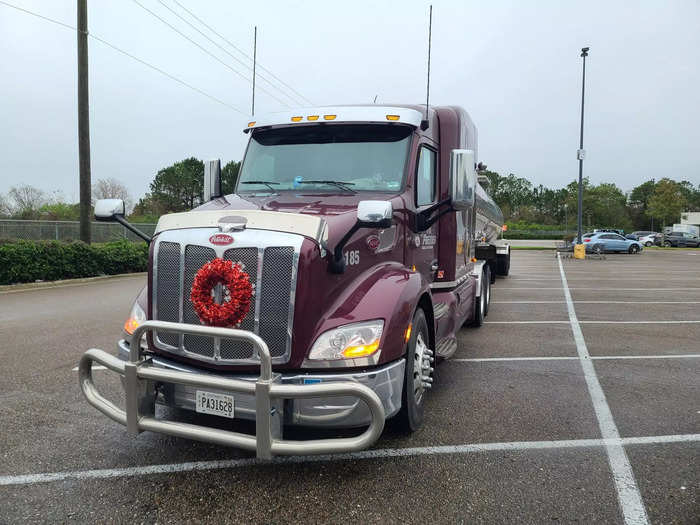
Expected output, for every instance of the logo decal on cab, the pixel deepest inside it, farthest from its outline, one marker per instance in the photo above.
(221, 239)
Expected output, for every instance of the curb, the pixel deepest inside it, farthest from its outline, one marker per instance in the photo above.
(66, 282)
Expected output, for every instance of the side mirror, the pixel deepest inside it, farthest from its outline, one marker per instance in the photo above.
(212, 180)
(114, 210)
(108, 209)
(374, 214)
(462, 179)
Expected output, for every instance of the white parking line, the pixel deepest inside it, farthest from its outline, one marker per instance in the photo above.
(31, 479)
(593, 322)
(596, 302)
(628, 494)
(568, 358)
(589, 288)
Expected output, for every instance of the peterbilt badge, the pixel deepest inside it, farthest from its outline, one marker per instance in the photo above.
(221, 239)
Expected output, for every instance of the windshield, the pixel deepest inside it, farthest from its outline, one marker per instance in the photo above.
(334, 158)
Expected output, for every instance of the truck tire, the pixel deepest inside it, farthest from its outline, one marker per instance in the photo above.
(410, 417)
(481, 303)
(503, 264)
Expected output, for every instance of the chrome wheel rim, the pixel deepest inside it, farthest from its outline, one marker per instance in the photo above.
(421, 369)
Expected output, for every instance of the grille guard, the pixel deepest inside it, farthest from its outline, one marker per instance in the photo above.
(140, 377)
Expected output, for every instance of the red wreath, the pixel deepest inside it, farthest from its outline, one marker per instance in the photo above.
(237, 293)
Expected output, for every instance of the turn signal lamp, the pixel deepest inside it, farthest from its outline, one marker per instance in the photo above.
(136, 318)
(131, 324)
(473, 259)
(407, 336)
(361, 350)
(312, 117)
(392, 117)
(297, 119)
(328, 117)
(251, 124)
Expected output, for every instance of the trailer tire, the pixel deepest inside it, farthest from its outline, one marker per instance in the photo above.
(410, 417)
(503, 264)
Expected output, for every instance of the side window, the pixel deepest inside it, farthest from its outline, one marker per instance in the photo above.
(425, 177)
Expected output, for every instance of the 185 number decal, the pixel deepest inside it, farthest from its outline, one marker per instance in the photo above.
(352, 257)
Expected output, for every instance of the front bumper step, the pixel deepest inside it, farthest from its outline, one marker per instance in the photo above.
(140, 376)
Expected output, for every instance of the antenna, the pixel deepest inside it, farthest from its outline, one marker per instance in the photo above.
(375, 99)
(255, 50)
(425, 122)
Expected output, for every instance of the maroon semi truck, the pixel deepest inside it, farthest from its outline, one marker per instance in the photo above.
(366, 242)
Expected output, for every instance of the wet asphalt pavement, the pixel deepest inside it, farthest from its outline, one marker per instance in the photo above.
(506, 440)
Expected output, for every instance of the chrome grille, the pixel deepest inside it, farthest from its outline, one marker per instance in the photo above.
(248, 257)
(274, 299)
(271, 265)
(195, 258)
(168, 288)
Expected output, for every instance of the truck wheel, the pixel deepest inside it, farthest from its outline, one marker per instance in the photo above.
(503, 264)
(481, 303)
(418, 355)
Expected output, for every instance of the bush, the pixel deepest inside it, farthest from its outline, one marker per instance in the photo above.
(29, 261)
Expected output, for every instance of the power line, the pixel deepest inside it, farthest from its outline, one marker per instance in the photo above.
(241, 52)
(126, 53)
(222, 48)
(183, 35)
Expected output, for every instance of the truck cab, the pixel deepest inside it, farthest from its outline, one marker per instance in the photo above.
(368, 243)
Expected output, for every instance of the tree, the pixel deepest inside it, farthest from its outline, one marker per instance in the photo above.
(229, 176)
(26, 201)
(179, 187)
(111, 189)
(667, 202)
(691, 195)
(60, 211)
(5, 206)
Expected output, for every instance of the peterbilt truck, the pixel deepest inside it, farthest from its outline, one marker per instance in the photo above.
(365, 242)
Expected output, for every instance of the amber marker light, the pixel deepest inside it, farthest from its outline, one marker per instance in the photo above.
(361, 350)
(131, 324)
(407, 336)
(312, 117)
(328, 117)
(251, 124)
(297, 119)
(473, 259)
(392, 117)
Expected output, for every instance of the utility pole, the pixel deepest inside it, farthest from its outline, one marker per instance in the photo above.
(83, 123)
(581, 153)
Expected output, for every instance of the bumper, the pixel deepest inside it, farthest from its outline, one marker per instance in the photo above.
(329, 412)
(268, 393)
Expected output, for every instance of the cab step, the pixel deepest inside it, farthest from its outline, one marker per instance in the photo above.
(446, 348)
(440, 310)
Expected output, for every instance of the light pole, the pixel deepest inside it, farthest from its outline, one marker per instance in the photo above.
(566, 219)
(580, 154)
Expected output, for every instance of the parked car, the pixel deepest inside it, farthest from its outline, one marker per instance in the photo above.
(650, 239)
(609, 230)
(610, 242)
(681, 239)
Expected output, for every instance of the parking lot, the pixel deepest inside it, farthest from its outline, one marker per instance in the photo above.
(577, 401)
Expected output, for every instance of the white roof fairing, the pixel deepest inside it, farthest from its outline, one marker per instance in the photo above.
(342, 114)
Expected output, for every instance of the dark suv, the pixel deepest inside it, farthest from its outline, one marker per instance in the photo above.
(681, 239)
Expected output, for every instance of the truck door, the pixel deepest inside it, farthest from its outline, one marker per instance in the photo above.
(423, 247)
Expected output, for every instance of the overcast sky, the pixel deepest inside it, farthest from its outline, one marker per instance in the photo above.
(514, 66)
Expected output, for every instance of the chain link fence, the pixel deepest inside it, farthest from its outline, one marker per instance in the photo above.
(68, 230)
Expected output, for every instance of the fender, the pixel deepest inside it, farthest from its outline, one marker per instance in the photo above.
(388, 291)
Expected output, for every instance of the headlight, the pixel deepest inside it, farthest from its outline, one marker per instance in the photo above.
(348, 342)
(136, 317)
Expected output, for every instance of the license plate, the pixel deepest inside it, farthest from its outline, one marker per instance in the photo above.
(216, 404)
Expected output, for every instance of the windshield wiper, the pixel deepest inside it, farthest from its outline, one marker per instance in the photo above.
(338, 183)
(263, 182)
